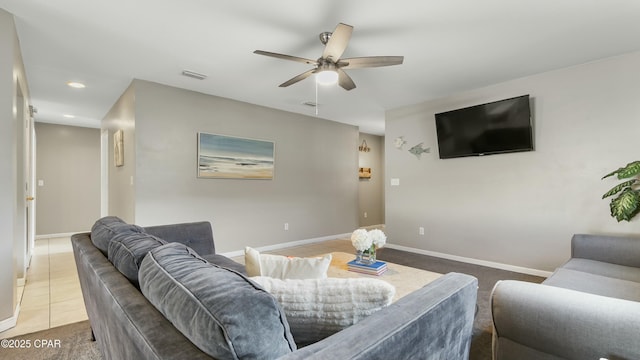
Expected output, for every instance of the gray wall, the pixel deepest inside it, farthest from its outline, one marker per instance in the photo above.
(519, 209)
(68, 164)
(12, 199)
(315, 189)
(121, 179)
(371, 191)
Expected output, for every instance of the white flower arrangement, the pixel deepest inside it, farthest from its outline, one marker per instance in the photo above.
(362, 239)
(378, 238)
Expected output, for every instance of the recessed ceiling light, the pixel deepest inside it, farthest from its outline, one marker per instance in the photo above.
(76, 85)
(69, 116)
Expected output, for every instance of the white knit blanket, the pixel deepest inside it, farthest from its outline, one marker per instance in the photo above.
(317, 308)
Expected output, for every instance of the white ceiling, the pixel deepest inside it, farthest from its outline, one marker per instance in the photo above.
(449, 46)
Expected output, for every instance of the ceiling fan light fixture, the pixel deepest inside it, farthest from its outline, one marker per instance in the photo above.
(327, 77)
(329, 68)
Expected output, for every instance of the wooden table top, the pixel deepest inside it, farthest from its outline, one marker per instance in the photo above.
(404, 278)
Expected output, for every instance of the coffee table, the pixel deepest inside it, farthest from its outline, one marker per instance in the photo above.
(404, 278)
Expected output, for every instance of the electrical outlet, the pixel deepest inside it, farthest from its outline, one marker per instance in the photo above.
(286, 226)
(420, 230)
(365, 214)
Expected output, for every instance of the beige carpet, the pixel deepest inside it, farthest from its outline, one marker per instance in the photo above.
(68, 342)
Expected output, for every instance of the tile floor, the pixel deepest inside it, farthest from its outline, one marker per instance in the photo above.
(52, 295)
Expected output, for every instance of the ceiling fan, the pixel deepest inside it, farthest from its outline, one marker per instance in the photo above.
(330, 67)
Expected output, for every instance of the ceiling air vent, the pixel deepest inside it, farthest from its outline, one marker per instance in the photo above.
(193, 74)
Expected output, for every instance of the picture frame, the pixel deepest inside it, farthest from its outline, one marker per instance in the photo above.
(118, 148)
(364, 173)
(230, 157)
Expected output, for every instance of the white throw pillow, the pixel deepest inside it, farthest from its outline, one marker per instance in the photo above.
(318, 308)
(282, 267)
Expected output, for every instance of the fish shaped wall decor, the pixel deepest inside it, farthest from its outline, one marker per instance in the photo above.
(419, 150)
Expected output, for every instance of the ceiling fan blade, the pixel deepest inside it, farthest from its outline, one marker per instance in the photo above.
(300, 77)
(345, 80)
(370, 61)
(337, 42)
(286, 57)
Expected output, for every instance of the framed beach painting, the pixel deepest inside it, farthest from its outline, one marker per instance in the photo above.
(228, 157)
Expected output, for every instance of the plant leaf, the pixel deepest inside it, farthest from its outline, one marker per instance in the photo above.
(626, 205)
(614, 190)
(631, 169)
(611, 173)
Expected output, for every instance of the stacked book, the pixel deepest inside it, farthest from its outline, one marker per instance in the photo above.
(377, 268)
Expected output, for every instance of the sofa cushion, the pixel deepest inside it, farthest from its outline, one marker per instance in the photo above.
(604, 269)
(594, 284)
(219, 310)
(196, 235)
(318, 308)
(614, 249)
(126, 251)
(106, 228)
(283, 267)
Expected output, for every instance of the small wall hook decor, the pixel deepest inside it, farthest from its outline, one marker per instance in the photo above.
(364, 147)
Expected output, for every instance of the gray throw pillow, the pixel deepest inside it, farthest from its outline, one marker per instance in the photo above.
(219, 310)
(126, 251)
(106, 228)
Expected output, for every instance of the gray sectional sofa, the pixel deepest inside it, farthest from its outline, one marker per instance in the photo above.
(589, 308)
(186, 302)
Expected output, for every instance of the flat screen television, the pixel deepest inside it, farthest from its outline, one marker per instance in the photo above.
(494, 128)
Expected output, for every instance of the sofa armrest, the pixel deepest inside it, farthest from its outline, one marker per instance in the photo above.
(557, 323)
(196, 235)
(434, 322)
(619, 250)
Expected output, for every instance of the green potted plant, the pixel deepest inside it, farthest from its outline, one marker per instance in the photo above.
(626, 204)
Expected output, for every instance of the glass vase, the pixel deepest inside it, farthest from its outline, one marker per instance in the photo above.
(372, 254)
(369, 256)
(366, 257)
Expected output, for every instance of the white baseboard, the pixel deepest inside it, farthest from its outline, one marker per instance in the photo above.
(491, 264)
(288, 244)
(10, 322)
